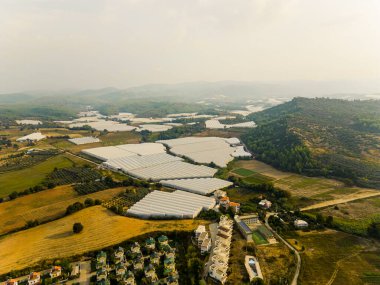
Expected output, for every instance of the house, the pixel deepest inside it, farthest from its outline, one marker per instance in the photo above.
(55, 272)
(265, 204)
(129, 278)
(138, 264)
(169, 266)
(300, 224)
(34, 278)
(172, 280)
(12, 282)
(101, 274)
(206, 246)
(155, 258)
(199, 230)
(103, 282)
(202, 237)
(170, 253)
(119, 255)
(150, 243)
(101, 260)
(219, 194)
(150, 273)
(218, 273)
(234, 206)
(163, 240)
(135, 248)
(224, 201)
(120, 270)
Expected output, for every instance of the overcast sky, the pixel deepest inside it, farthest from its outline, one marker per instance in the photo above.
(58, 44)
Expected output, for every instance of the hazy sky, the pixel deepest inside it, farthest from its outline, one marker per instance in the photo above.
(57, 44)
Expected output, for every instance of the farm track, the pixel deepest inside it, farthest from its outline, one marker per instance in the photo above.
(348, 198)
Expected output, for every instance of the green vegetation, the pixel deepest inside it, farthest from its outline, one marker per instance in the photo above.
(243, 172)
(320, 137)
(20, 180)
(23, 160)
(77, 228)
(72, 175)
(258, 238)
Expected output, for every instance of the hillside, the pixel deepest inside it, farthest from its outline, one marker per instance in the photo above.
(328, 137)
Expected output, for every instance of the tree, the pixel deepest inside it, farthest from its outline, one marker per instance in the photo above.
(374, 230)
(77, 228)
(319, 219)
(329, 221)
(257, 281)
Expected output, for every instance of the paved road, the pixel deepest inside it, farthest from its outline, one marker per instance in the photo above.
(298, 266)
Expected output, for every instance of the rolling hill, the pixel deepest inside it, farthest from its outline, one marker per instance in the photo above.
(321, 137)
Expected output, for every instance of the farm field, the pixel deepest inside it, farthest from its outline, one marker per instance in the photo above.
(338, 257)
(276, 262)
(20, 180)
(44, 206)
(313, 189)
(354, 216)
(243, 172)
(55, 239)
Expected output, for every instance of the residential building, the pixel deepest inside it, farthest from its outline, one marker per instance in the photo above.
(199, 230)
(163, 240)
(220, 254)
(135, 248)
(155, 258)
(129, 278)
(101, 260)
(150, 243)
(55, 272)
(300, 224)
(101, 274)
(12, 282)
(224, 201)
(120, 270)
(201, 238)
(206, 246)
(138, 264)
(265, 204)
(150, 273)
(235, 207)
(34, 278)
(172, 280)
(119, 255)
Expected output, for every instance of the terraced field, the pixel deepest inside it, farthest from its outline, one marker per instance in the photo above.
(314, 189)
(44, 206)
(102, 228)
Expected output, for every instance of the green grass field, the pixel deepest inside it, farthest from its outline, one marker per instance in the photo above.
(243, 172)
(20, 180)
(258, 238)
(257, 178)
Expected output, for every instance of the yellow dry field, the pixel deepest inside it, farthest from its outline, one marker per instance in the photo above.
(44, 206)
(102, 228)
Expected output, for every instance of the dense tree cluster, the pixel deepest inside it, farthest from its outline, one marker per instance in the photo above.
(320, 137)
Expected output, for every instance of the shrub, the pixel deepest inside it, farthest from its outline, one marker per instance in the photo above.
(77, 228)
